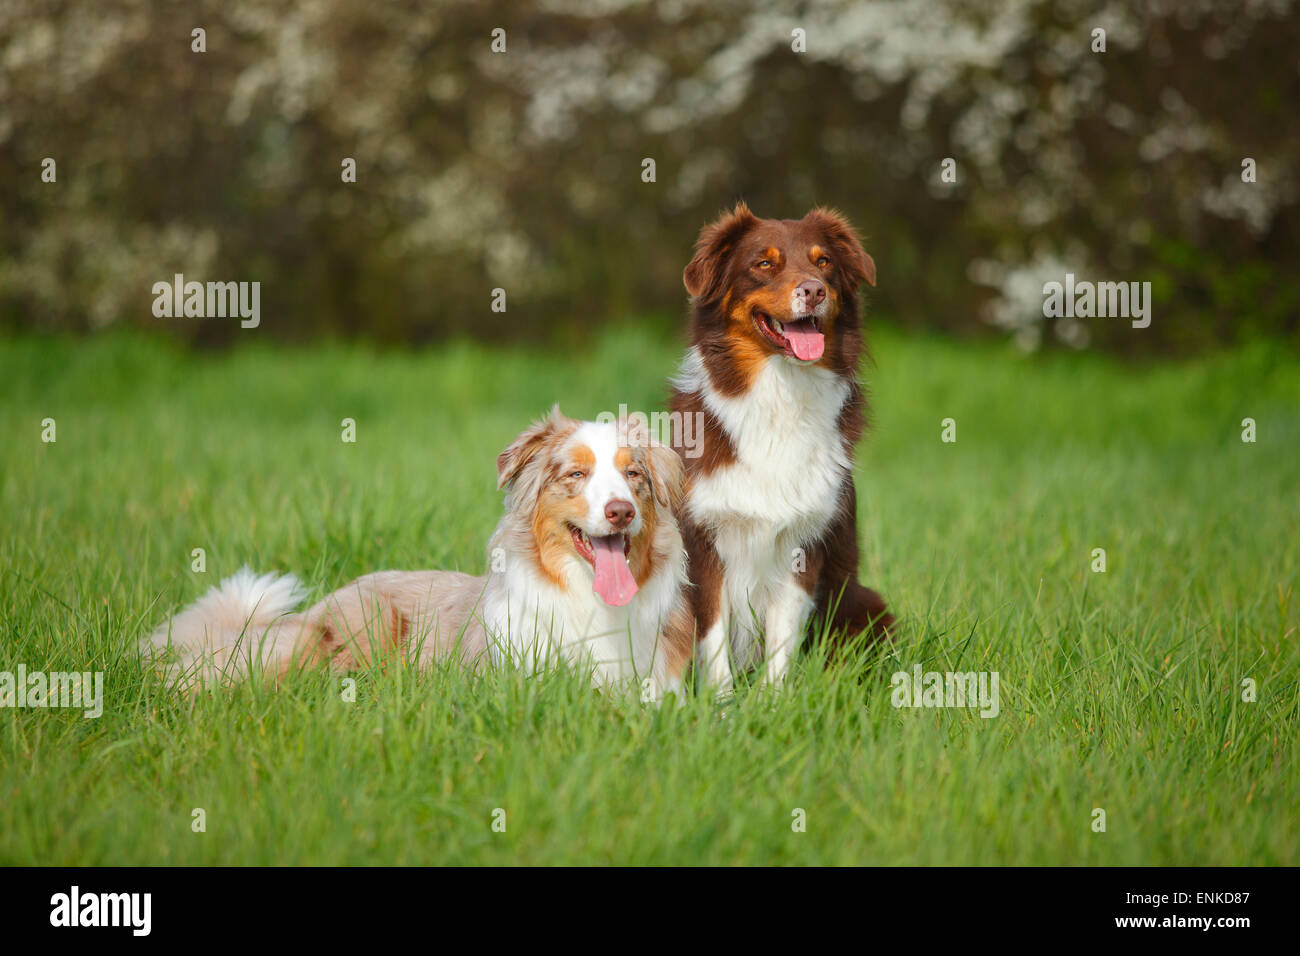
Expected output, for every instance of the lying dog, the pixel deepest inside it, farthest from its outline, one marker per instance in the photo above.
(587, 568)
(771, 373)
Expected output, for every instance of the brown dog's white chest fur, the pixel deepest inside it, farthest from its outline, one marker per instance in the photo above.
(771, 382)
(765, 508)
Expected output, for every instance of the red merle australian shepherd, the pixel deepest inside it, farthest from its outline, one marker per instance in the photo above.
(771, 376)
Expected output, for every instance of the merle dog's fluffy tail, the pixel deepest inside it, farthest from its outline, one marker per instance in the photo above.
(242, 624)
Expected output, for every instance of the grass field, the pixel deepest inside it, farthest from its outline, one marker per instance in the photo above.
(1120, 690)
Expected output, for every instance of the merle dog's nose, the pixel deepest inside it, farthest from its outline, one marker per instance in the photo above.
(620, 513)
(811, 291)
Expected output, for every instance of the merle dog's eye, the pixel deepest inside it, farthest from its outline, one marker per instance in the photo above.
(633, 473)
(577, 474)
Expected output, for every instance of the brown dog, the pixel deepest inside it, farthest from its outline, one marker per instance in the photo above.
(771, 379)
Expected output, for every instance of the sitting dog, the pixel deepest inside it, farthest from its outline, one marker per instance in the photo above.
(587, 568)
(771, 376)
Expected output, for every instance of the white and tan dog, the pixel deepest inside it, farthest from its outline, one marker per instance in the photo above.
(587, 569)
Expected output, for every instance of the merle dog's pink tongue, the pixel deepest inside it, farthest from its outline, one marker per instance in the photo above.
(805, 341)
(614, 582)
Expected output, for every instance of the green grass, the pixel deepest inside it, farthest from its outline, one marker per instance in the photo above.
(1119, 690)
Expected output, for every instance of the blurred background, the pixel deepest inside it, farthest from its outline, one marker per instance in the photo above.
(523, 169)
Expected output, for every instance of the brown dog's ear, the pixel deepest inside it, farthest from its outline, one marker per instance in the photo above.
(525, 448)
(667, 476)
(846, 247)
(704, 272)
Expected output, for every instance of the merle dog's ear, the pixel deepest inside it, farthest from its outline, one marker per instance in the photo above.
(524, 449)
(846, 248)
(667, 476)
(703, 274)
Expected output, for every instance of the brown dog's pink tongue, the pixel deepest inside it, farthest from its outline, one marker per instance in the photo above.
(805, 341)
(614, 582)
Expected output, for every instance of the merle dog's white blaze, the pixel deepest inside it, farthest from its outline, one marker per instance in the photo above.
(607, 482)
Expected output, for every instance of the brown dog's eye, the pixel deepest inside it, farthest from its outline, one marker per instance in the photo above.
(823, 262)
(764, 263)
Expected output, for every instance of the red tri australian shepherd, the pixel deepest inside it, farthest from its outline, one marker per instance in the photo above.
(771, 377)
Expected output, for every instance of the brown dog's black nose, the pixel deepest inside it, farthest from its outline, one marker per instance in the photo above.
(620, 513)
(811, 291)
